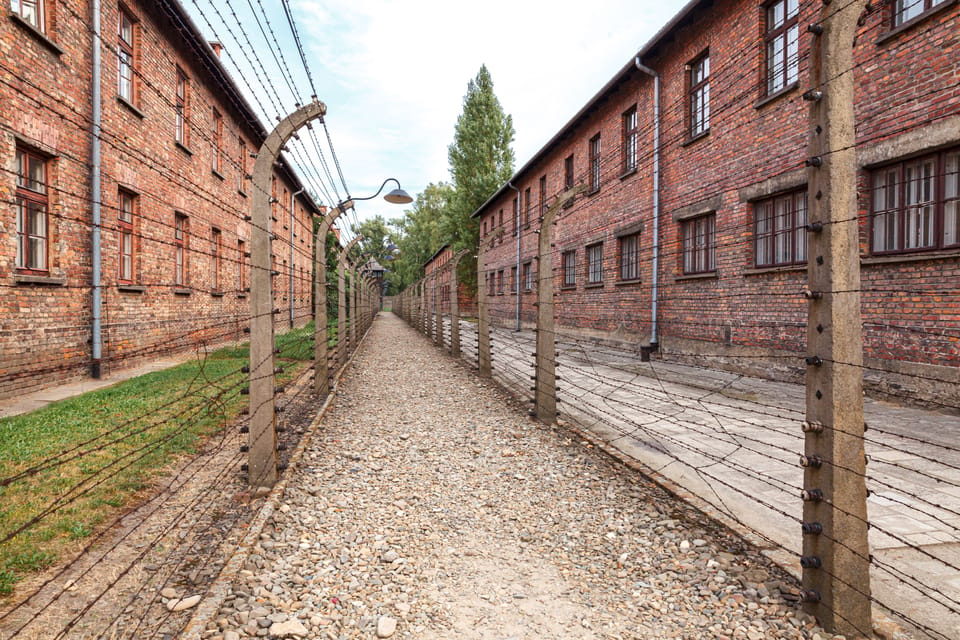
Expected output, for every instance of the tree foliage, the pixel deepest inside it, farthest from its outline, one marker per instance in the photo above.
(420, 233)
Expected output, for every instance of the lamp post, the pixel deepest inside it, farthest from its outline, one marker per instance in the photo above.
(320, 347)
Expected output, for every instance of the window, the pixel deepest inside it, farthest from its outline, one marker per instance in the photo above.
(32, 12)
(180, 244)
(568, 178)
(543, 196)
(500, 282)
(595, 163)
(513, 279)
(905, 10)
(500, 227)
(31, 204)
(528, 276)
(180, 108)
(215, 251)
(915, 204)
(783, 56)
(630, 140)
(699, 244)
(241, 266)
(526, 207)
(216, 142)
(700, 95)
(595, 263)
(126, 210)
(126, 62)
(484, 235)
(630, 257)
(516, 216)
(569, 260)
(780, 230)
(242, 164)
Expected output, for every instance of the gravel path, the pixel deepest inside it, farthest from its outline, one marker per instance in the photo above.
(428, 505)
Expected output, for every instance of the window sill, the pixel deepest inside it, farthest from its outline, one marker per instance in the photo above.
(784, 268)
(711, 275)
(182, 291)
(762, 102)
(217, 174)
(28, 278)
(943, 254)
(241, 296)
(36, 33)
(622, 283)
(700, 136)
(568, 287)
(909, 24)
(593, 285)
(217, 294)
(129, 105)
(183, 147)
(592, 192)
(629, 172)
(131, 288)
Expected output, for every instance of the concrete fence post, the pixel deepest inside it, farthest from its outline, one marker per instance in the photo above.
(437, 310)
(455, 304)
(483, 319)
(262, 442)
(836, 554)
(545, 398)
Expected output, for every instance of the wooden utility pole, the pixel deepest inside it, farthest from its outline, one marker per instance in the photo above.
(836, 565)
(262, 442)
(545, 398)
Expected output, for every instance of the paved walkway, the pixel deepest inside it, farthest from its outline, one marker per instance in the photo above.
(734, 442)
(427, 504)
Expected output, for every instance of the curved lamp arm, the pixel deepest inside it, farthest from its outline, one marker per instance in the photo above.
(397, 196)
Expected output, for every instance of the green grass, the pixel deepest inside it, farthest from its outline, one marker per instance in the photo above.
(126, 435)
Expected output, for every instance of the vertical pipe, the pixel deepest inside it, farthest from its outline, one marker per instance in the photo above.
(95, 188)
(655, 281)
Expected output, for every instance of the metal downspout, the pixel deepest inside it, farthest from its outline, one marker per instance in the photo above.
(516, 280)
(656, 200)
(95, 160)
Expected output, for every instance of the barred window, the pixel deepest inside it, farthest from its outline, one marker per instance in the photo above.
(699, 95)
(780, 233)
(630, 257)
(630, 140)
(699, 244)
(595, 263)
(595, 163)
(569, 268)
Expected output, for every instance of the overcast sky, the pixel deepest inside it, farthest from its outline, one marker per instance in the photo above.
(393, 73)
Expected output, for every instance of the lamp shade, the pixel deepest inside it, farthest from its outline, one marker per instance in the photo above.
(398, 196)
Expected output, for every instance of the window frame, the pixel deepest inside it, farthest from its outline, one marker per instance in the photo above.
(942, 198)
(127, 56)
(216, 142)
(569, 267)
(241, 265)
(631, 134)
(40, 12)
(698, 96)
(593, 148)
(527, 275)
(784, 242)
(896, 10)
(777, 80)
(699, 257)
(181, 245)
(594, 261)
(127, 204)
(543, 195)
(216, 255)
(628, 258)
(32, 204)
(180, 109)
(242, 164)
(526, 208)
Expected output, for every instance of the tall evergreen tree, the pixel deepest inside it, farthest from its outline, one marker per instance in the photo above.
(481, 158)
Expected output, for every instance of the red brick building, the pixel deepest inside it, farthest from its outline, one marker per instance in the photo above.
(438, 269)
(728, 219)
(174, 196)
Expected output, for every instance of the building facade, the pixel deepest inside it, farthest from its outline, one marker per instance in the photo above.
(691, 233)
(174, 162)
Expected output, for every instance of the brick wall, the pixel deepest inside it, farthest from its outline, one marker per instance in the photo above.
(45, 320)
(739, 315)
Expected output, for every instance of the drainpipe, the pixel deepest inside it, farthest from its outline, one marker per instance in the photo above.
(293, 269)
(516, 279)
(656, 200)
(96, 338)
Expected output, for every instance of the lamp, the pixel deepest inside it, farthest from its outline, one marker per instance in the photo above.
(397, 196)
